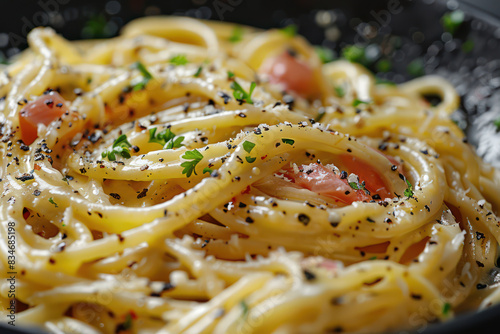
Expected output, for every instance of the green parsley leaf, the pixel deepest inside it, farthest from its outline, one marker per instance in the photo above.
(236, 34)
(446, 308)
(497, 123)
(65, 179)
(248, 146)
(207, 170)
(127, 324)
(380, 81)
(120, 147)
(340, 91)
(165, 138)
(359, 186)
(287, 141)
(409, 190)
(230, 75)
(189, 166)
(357, 102)
(51, 201)
(198, 72)
(250, 159)
(354, 53)
(245, 308)
(320, 116)
(373, 258)
(240, 94)
(324, 54)
(146, 75)
(179, 60)
(290, 30)
(416, 68)
(383, 65)
(468, 46)
(452, 21)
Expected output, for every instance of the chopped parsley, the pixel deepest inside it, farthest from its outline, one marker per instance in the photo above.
(198, 72)
(468, 46)
(146, 75)
(287, 141)
(179, 60)
(245, 308)
(357, 102)
(380, 81)
(126, 325)
(453, 20)
(189, 166)
(497, 123)
(409, 190)
(357, 185)
(207, 170)
(230, 75)
(446, 308)
(240, 94)
(324, 54)
(51, 201)
(354, 53)
(416, 67)
(120, 147)
(339, 91)
(320, 116)
(165, 138)
(250, 159)
(236, 35)
(248, 146)
(383, 65)
(372, 258)
(290, 30)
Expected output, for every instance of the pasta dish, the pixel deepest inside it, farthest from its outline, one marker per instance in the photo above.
(200, 177)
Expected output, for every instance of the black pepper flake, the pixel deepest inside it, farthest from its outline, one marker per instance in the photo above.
(309, 275)
(343, 175)
(83, 170)
(427, 208)
(249, 220)
(242, 205)
(25, 177)
(480, 286)
(304, 219)
(394, 168)
(479, 264)
(37, 192)
(49, 102)
(242, 115)
(143, 193)
(120, 237)
(415, 296)
(24, 147)
(115, 195)
(370, 220)
(225, 97)
(383, 146)
(376, 197)
(52, 261)
(334, 224)
(388, 220)
(165, 287)
(349, 150)
(479, 235)
(424, 152)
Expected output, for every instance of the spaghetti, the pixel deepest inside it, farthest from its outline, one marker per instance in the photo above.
(200, 177)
